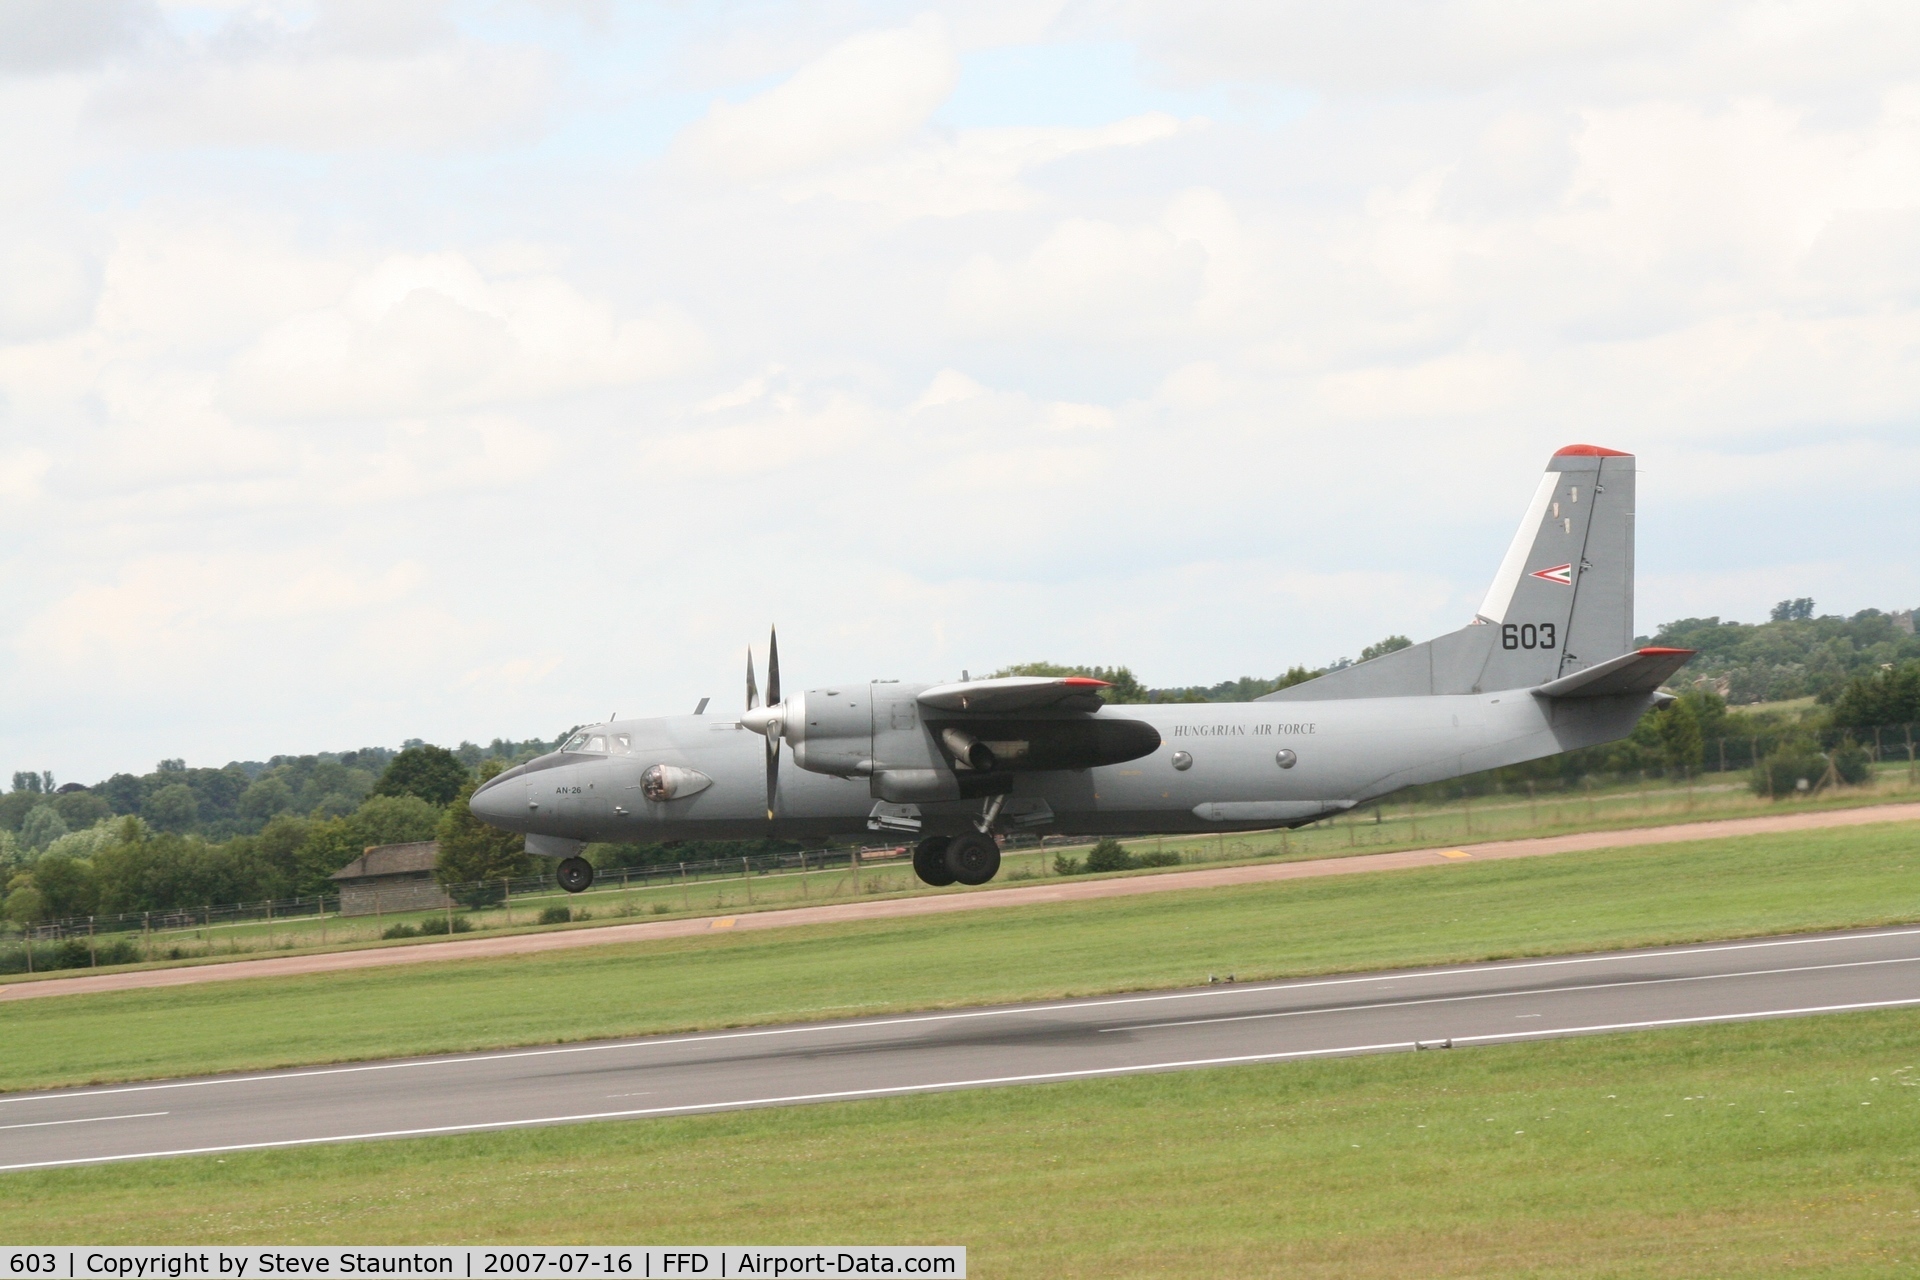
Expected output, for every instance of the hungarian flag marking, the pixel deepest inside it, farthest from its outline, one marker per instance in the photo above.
(1560, 573)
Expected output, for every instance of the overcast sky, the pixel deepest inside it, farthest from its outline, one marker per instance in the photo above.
(377, 369)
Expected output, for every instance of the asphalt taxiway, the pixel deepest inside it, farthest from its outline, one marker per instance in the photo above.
(1217, 1025)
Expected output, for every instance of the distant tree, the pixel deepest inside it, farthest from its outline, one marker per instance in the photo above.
(1890, 696)
(16, 805)
(434, 774)
(66, 887)
(175, 765)
(471, 851)
(279, 847)
(1381, 648)
(124, 792)
(24, 905)
(1681, 747)
(1799, 610)
(80, 809)
(173, 807)
(395, 820)
(27, 781)
(264, 799)
(42, 827)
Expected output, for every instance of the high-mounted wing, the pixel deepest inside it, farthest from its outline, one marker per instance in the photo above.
(1017, 693)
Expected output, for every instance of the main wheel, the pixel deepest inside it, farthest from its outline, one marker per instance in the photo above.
(930, 861)
(973, 858)
(574, 874)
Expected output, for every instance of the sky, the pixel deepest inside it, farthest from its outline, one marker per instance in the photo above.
(388, 369)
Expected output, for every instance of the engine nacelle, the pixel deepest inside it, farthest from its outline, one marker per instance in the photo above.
(831, 731)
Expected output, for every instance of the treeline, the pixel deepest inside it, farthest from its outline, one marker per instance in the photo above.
(241, 798)
(129, 863)
(1795, 654)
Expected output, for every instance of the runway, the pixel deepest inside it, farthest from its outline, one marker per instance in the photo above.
(1217, 1025)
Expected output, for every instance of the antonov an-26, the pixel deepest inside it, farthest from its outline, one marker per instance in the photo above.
(1546, 665)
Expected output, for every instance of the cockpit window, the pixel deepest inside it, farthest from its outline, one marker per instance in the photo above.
(598, 742)
(578, 742)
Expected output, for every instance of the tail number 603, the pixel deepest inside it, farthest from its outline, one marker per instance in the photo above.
(1527, 635)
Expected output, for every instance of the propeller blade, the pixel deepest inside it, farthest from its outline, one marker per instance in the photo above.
(773, 667)
(753, 690)
(773, 771)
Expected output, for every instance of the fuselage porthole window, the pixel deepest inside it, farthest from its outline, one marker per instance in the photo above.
(622, 743)
(1182, 760)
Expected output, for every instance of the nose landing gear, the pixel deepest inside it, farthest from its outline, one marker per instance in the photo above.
(574, 874)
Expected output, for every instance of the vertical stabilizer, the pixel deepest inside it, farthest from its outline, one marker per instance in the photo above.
(1562, 600)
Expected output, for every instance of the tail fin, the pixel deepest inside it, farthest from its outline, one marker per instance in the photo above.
(1561, 602)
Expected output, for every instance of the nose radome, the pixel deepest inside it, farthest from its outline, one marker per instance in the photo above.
(492, 801)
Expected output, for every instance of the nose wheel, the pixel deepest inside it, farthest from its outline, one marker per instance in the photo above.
(930, 861)
(574, 874)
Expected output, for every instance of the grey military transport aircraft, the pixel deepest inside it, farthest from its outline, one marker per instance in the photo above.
(1546, 665)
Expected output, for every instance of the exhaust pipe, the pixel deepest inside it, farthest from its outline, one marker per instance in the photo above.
(968, 751)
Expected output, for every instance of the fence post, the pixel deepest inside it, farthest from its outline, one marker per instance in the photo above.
(854, 862)
(746, 878)
(506, 897)
(686, 890)
(803, 874)
(93, 960)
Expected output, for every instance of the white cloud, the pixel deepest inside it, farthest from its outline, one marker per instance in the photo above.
(867, 92)
(340, 75)
(426, 334)
(324, 324)
(972, 171)
(1091, 277)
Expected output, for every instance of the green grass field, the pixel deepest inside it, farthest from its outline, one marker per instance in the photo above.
(1783, 1148)
(1400, 825)
(1467, 911)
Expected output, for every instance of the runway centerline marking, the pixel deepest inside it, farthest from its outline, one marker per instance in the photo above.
(1037, 1077)
(480, 1059)
(42, 1124)
(1507, 995)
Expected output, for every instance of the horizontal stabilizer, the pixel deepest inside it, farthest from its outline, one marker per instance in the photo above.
(1017, 693)
(1641, 671)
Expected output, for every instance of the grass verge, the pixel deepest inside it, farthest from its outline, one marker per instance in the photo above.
(1772, 1148)
(1467, 911)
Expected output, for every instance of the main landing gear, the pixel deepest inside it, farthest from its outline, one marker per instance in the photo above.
(973, 858)
(574, 874)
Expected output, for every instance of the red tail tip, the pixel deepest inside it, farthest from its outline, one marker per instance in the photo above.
(1590, 451)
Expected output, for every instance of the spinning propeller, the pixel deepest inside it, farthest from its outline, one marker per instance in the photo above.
(770, 720)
